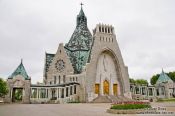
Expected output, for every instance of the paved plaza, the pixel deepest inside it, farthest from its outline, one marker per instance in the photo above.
(65, 109)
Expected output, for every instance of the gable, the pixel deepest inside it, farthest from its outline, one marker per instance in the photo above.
(60, 62)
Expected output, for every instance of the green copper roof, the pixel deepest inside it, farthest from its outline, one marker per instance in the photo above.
(79, 46)
(20, 70)
(81, 13)
(163, 78)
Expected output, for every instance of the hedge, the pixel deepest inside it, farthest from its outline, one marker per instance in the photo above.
(130, 106)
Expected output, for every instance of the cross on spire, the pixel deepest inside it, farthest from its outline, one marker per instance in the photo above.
(81, 4)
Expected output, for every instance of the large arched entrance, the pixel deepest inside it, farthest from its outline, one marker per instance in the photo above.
(107, 75)
(106, 87)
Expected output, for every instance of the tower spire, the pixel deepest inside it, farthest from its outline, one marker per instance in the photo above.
(21, 60)
(81, 18)
(81, 5)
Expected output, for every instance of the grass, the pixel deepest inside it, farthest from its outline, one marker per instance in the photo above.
(166, 100)
(130, 106)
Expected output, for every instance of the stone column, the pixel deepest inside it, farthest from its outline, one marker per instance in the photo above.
(57, 93)
(65, 92)
(59, 89)
(46, 92)
(68, 91)
(140, 90)
(37, 93)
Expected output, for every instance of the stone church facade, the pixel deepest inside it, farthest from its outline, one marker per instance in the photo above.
(89, 68)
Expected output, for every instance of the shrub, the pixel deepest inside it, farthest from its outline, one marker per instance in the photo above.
(166, 100)
(130, 106)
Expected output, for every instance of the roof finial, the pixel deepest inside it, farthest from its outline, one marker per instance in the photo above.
(21, 60)
(81, 4)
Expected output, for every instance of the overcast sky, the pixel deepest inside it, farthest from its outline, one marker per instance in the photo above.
(145, 32)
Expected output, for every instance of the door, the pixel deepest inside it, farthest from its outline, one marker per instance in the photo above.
(97, 86)
(106, 87)
(115, 87)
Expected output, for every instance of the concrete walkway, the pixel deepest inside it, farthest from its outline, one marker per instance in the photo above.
(61, 109)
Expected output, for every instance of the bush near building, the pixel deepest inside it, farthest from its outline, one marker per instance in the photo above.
(166, 100)
(130, 105)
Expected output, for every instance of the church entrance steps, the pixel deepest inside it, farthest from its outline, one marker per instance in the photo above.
(110, 99)
(102, 99)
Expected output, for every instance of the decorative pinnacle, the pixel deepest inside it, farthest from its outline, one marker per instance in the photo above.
(21, 60)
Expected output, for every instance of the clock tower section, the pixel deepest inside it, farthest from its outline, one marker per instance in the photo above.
(59, 68)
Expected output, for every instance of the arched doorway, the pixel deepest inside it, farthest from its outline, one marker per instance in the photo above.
(17, 94)
(107, 75)
(106, 87)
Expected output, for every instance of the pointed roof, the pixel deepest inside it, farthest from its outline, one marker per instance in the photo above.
(163, 78)
(81, 13)
(20, 70)
(79, 46)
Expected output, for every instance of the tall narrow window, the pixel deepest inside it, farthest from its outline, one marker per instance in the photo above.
(67, 91)
(59, 79)
(62, 93)
(157, 92)
(100, 28)
(47, 93)
(55, 79)
(105, 30)
(70, 90)
(75, 89)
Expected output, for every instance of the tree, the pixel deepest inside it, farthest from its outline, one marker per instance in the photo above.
(138, 81)
(131, 80)
(172, 75)
(141, 82)
(3, 88)
(154, 78)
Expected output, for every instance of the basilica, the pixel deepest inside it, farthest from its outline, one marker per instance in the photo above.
(89, 68)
